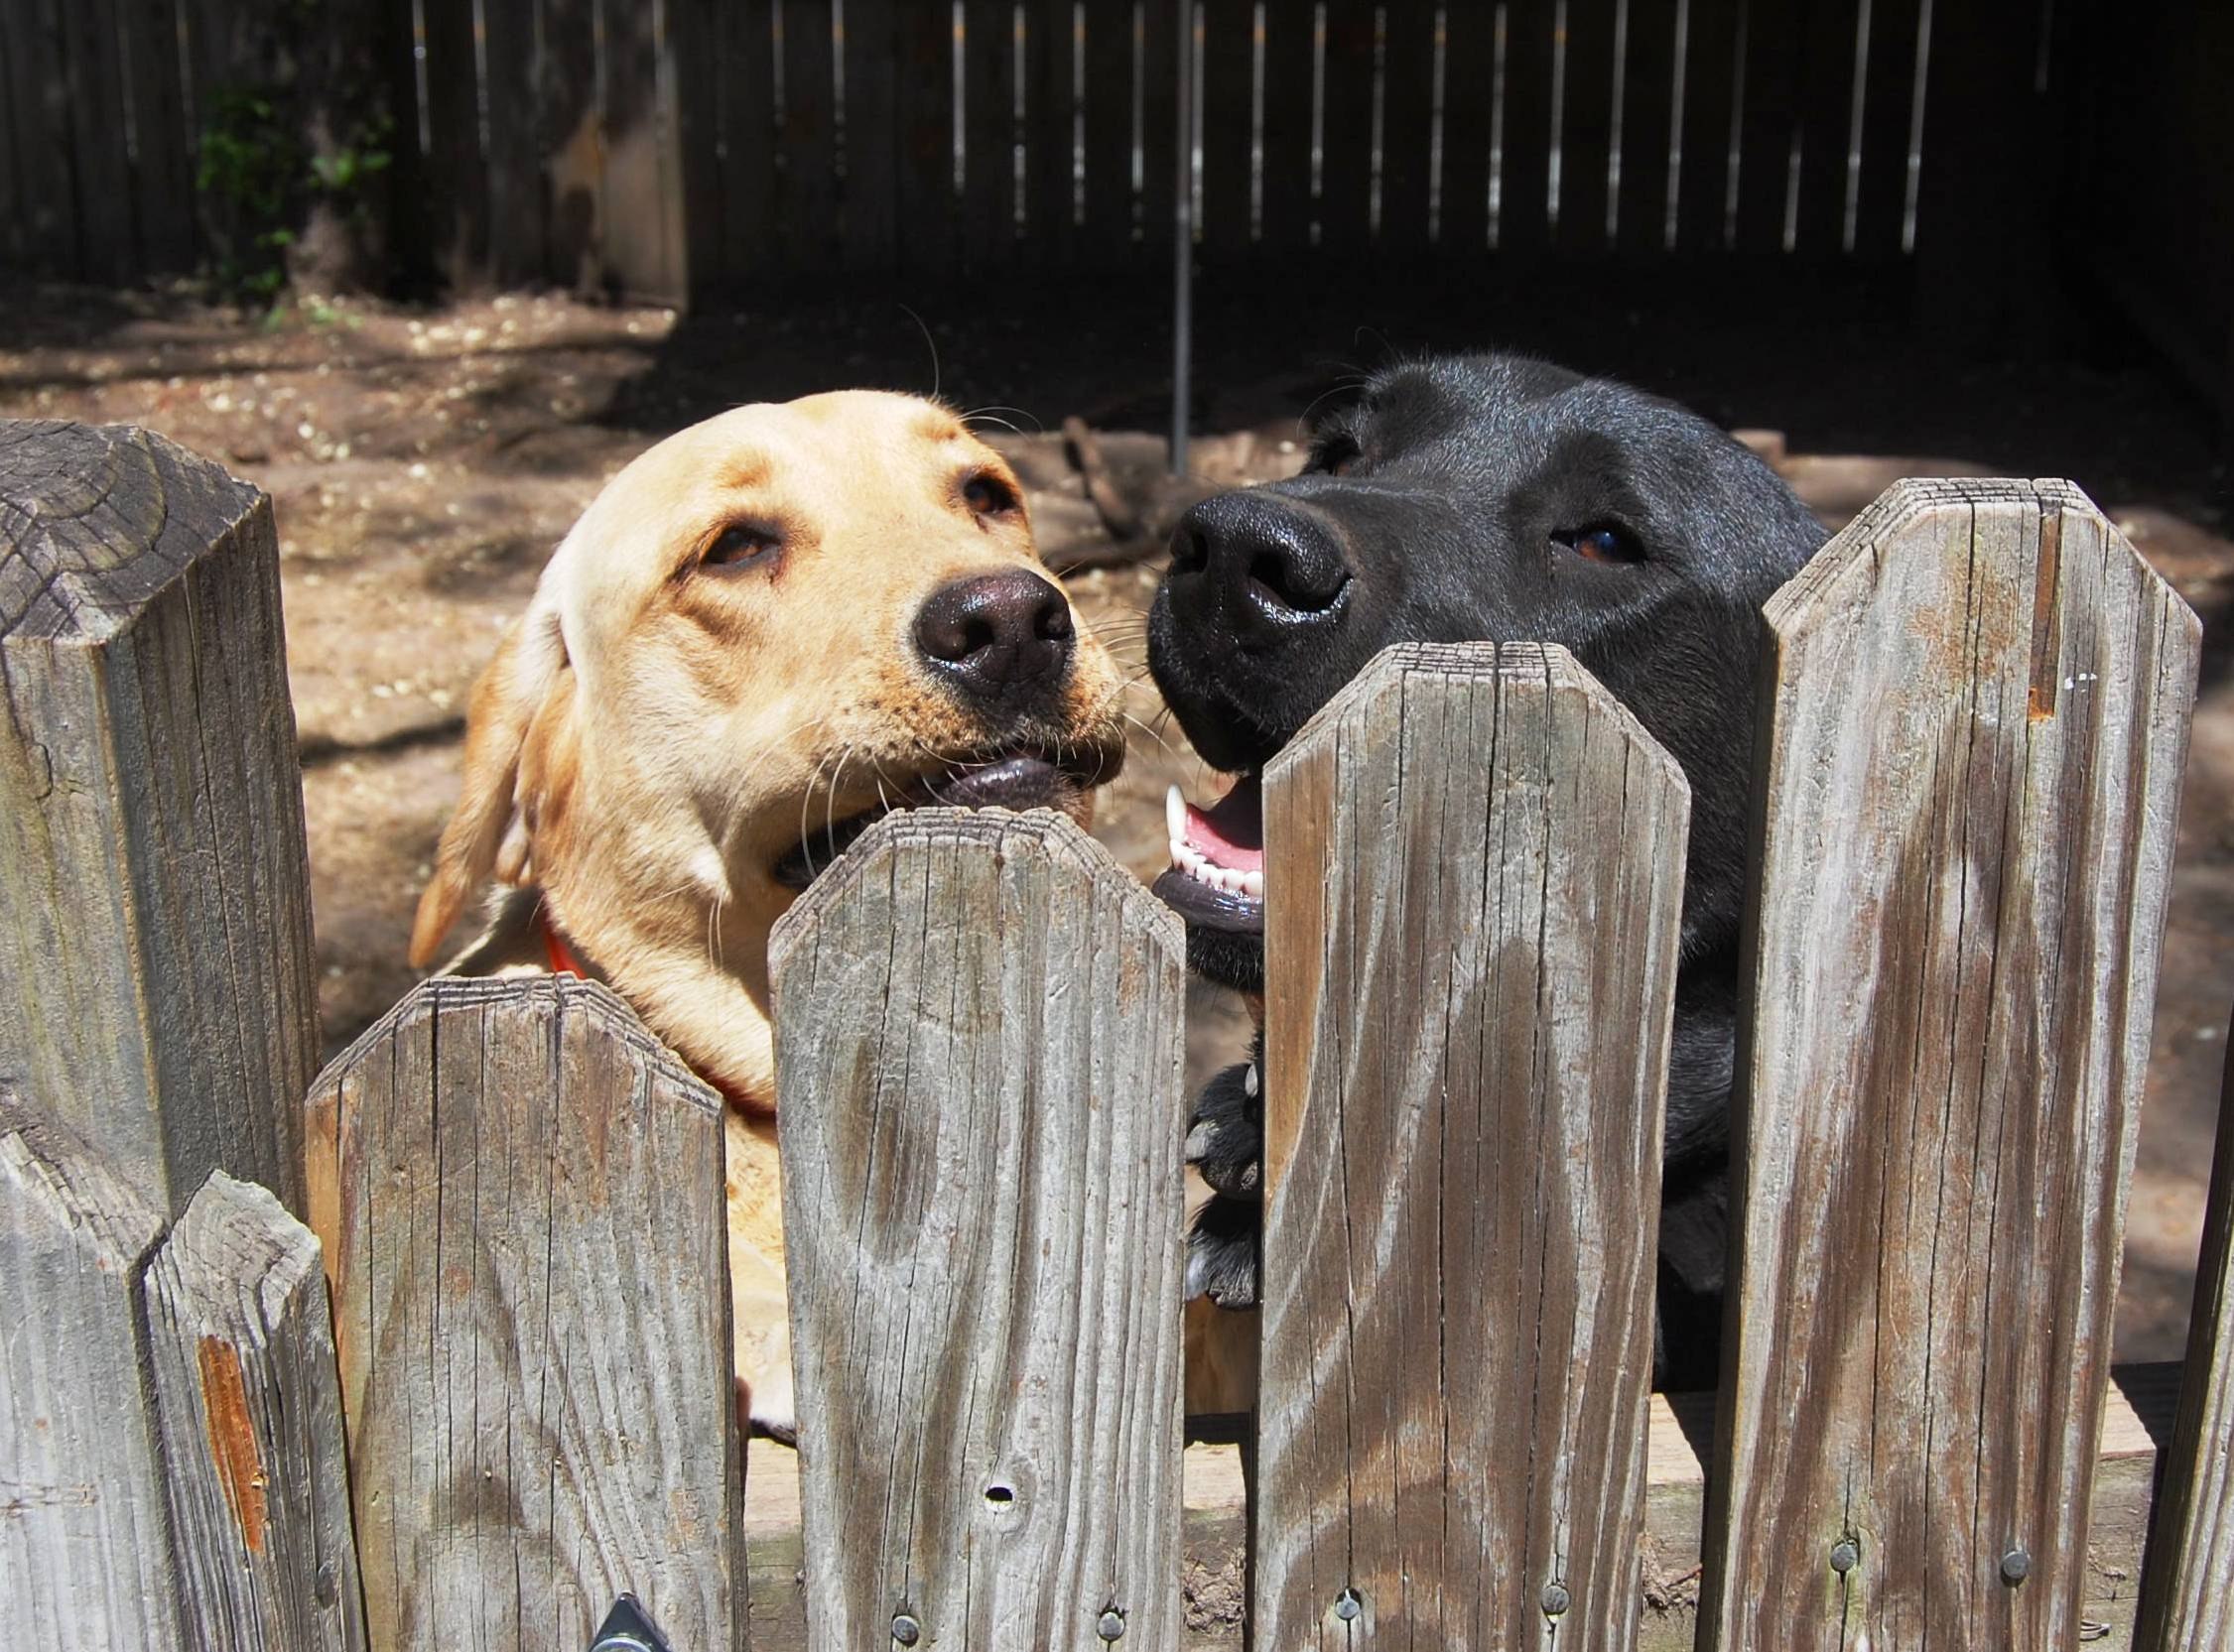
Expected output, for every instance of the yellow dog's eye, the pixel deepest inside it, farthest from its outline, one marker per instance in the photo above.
(742, 545)
(988, 495)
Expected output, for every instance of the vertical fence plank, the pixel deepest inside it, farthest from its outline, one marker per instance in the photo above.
(1467, 1031)
(1289, 56)
(1524, 221)
(1710, 83)
(1826, 125)
(2184, 1600)
(85, 1543)
(458, 177)
(571, 124)
(1407, 127)
(163, 164)
(979, 1024)
(1346, 162)
(1109, 128)
(927, 205)
(1227, 113)
(1159, 125)
(1971, 766)
(242, 1346)
(520, 1193)
(872, 134)
(155, 921)
(1050, 129)
(516, 248)
(807, 187)
(38, 105)
(744, 102)
(988, 84)
(643, 253)
(1586, 137)
(1469, 70)
(1892, 72)
(1648, 109)
(98, 171)
(1771, 116)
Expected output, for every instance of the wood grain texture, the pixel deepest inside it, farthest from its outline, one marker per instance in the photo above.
(520, 1192)
(155, 915)
(1975, 719)
(2186, 1604)
(1467, 1029)
(979, 1060)
(250, 1405)
(85, 1543)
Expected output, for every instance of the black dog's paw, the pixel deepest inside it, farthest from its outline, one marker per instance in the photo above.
(1226, 1139)
(1221, 1252)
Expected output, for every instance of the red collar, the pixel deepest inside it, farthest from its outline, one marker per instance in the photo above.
(562, 962)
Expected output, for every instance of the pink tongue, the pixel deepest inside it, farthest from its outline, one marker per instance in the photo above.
(1231, 833)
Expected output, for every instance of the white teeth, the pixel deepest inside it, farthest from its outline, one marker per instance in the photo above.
(1199, 866)
(1252, 885)
(1175, 815)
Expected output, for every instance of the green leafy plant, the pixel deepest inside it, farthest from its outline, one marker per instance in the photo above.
(261, 180)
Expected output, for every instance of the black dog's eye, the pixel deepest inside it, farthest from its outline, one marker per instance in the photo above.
(740, 546)
(988, 495)
(1336, 456)
(1602, 542)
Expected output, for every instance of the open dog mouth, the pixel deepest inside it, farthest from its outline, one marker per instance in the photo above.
(1011, 780)
(1217, 875)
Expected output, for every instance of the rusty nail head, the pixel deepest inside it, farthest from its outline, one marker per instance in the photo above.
(1555, 1599)
(1846, 1555)
(1111, 1625)
(906, 1630)
(2016, 1566)
(1346, 1605)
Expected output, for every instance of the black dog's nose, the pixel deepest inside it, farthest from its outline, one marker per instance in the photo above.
(996, 634)
(1273, 560)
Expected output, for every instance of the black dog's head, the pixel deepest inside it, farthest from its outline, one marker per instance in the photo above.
(1478, 497)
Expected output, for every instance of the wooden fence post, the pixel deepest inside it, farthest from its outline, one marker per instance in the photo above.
(250, 1405)
(1976, 717)
(155, 915)
(2185, 1600)
(1467, 1035)
(978, 1057)
(520, 1192)
(84, 1542)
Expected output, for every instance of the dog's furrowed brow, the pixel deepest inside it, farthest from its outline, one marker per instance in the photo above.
(745, 469)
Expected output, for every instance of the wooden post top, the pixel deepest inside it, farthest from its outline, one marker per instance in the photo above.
(1042, 834)
(96, 519)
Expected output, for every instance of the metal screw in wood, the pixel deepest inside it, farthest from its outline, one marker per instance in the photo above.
(1346, 1606)
(906, 1630)
(1845, 1555)
(1556, 1599)
(2016, 1566)
(1111, 1624)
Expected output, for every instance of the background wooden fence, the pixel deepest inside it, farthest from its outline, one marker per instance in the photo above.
(671, 145)
(1974, 731)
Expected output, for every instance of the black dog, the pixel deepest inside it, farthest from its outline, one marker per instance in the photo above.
(1486, 497)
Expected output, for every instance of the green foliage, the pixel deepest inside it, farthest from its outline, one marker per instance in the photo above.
(261, 178)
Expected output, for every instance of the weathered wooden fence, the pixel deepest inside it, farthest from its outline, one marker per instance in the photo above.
(519, 1405)
(681, 145)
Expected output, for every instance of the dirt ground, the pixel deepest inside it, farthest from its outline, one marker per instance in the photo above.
(424, 461)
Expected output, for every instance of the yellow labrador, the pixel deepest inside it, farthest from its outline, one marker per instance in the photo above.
(765, 632)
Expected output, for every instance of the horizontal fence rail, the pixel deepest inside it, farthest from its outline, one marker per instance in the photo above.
(521, 1403)
(671, 148)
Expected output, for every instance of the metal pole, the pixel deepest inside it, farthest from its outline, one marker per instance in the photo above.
(1183, 245)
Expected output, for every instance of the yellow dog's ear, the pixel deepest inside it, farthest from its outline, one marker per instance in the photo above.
(487, 834)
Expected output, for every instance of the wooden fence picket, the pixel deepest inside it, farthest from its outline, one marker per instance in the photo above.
(155, 912)
(1971, 769)
(2185, 1600)
(1467, 1035)
(978, 1023)
(520, 1193)
(84, 1538)
(242, 1348)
